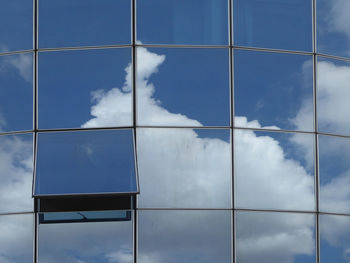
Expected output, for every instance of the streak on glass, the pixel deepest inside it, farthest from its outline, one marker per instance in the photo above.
(85, 162)
(274, 170)
(184, 168)
(184, 236)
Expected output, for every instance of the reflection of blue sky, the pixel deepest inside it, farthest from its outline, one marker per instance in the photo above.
(16, 25)
(273, 24)
(196, 22)
(84, 23)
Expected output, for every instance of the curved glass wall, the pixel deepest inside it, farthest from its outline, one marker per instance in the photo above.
(177, 131)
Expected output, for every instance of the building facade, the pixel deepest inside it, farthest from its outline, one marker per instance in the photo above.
(174, 131)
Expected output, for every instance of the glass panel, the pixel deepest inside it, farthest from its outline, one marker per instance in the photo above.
(195, 22)
(333, 95)
(334, 162)
(86, 242)
(283, 24)
(274, 170)
(16, 89)
(190, 89)
(280, 93)
(275, 237)
(333, 27)
(67, 23)
(16, 25)
(16, 173)
(184, 236)
(334, 239)
(189, 168)
(16, 238)
(85, 88)
(85, 162)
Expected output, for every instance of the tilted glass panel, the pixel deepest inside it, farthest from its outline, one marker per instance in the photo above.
(16, 239)
(274, 24)
(85, 162)
(334, 238)
(191, 22)
(93, 242)
(334, 169)
(275, 237)
(184, 236)
(184, 168)
(333, 27)
(16, 173)
(274, 89)
(85, 88)
(16, 25)
(183, 86)
(333, 95)
(68, 23)
(16, 92)
(274, 170)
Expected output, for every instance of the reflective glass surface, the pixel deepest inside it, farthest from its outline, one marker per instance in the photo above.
(333, 95)
(16, 25)
(275, 237)
(16, 92)
(188, 168)
(334, 169)
(275, 24)
(67, 23)
(184, 236)
(93, 242)
(16, 173)
(274, 89)
(194, 22)
(16, 239)
(274, 170)
(184, 87)
(85, 88)
(335, 238)
(333, 27)
(85, 162)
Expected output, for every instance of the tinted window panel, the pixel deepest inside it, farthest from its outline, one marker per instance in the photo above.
(84, 23)
(85, 162)
(183, 87)
(274, 170)
(85, 88)
(16, 92)
(196, 22)
(274, 89)
(273, 24)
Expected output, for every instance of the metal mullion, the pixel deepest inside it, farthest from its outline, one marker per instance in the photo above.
(84, 48)
(16, 132)
(35, 121)
(183, 127)
(26, 51)
(273, 130)
(180, 46)
(273, 50)
(16, 213)
(84, 129)
(333, 57)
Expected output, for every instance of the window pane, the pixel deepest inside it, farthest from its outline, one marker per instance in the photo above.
(85, 162)
(184, 87)
(16, 25)
(275, 237)
(16, 238)
(16, 92)
(273, 24)
(333, 95)
(334, 162)
(188, 168)
(85, 88)
(16, 173)
(274, 170)
(184, 236)
(86, 242)
(333, 23)
(335, 238)
(195, 22)
(67, 23)
(280, 92)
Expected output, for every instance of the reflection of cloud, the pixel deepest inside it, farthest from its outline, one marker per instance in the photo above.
(338, 16)
(23, 63)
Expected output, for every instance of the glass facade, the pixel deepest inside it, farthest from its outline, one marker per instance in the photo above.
(174, 131)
